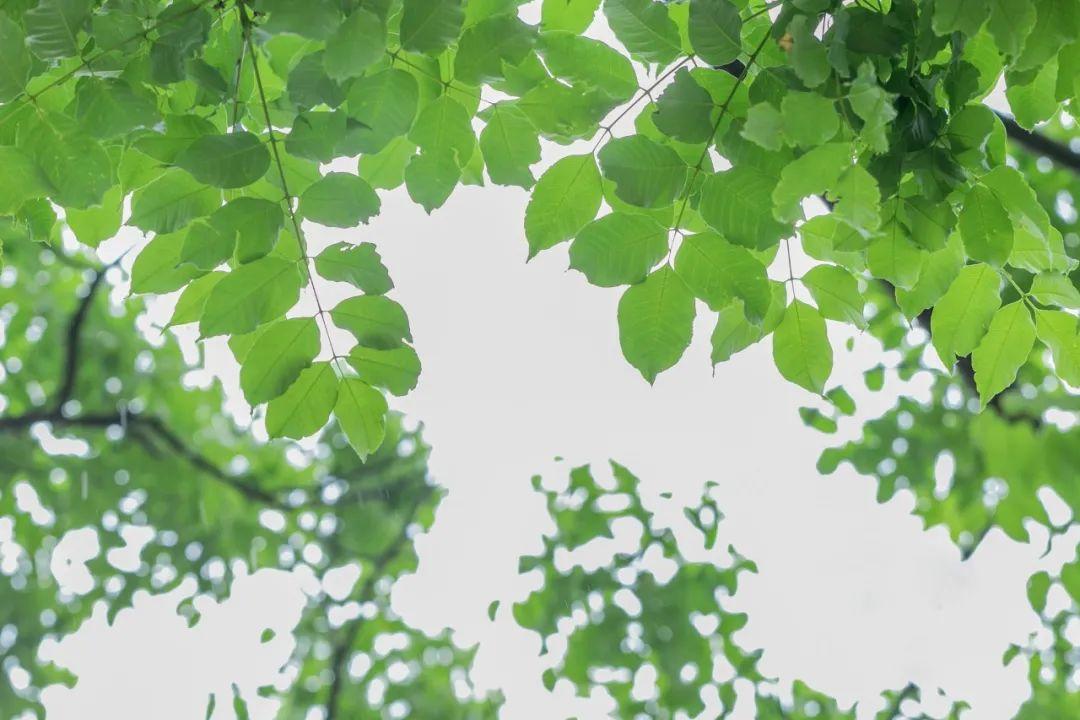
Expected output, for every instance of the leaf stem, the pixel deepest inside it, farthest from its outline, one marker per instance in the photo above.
(245, 22)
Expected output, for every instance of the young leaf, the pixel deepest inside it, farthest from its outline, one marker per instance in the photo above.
(1055, 289)
(1058, 330)
(813, 173)
(961, 316)
(733, 333)
(510, 145)
(656, 319)
(396, 369)
(445, 125)
(358, 265)
(646, 173)
(736, 203)
(570, 15)
(487, 47)
(430, 177)
(985, 227)
(683, 110)
(375, 321)
(355, 46)
(764, 126)
(645, 28)
(361, 412)
(836, 292)
(304, 408)
(566, 197)
(251, 295)
(619, 249)
(715, 31)
(809, 119)
(385, 103)
(157, 269)
(429, 26)
(1005, 347)
(717, 271)
(339, 200)
(189, 307)
(801, 348)
(282, 350)
(226, 161)
(170, 202)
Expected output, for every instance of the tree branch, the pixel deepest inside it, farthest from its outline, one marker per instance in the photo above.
(1039, 144)
(74, 335)
(339, 659)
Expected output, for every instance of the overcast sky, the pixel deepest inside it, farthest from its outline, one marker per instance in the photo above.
(522, 365)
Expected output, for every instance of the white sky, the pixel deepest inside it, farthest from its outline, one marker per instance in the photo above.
(522, 364)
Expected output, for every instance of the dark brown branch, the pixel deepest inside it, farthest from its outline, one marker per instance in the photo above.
(1038, 144)
(74, 337)
(151, 431)
(339, 660)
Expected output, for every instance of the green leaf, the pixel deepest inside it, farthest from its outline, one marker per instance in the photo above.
(1055, 289)
(251, 295)
(375, 321)
(656, 319)
(282, 350)
(985, 227)
(189, 308)
(15, 60)
(171, 201)
(836, 292)
(645, 29)
(52, 27)
(813, 173)
(206, 246)
(874, 106)
(361, 412)
(386, 104)
(106, 108)
(486, 47)
(385, 170)
(809, 119)
(808, 55)
(619, 249)
(569, 15)
(715, 31)
(226, 161)
(21, 180)
(565, 199)
(733, 333)
(316, 135)
(1010, 22)
(256, 223)
(445, 125)
(155, 269)
(1005, 347)
(737, 204)
(431, 177)
(510, 145)
(430, 26)
(355, 46)
(894, 257)
(764, 126)
(358, 265)
(801, 348)
(97, 224)
(646, 173)
(78, 167)
(939, 270)
(589, 64)
(683, 110)
(339, 200)
(961, 316)
(858, 200)
(396, 369)
(304, 408)
(1058, 330)
(716, 271)
(965, 16)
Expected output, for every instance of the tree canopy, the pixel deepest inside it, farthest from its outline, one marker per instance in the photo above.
(705, 142)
